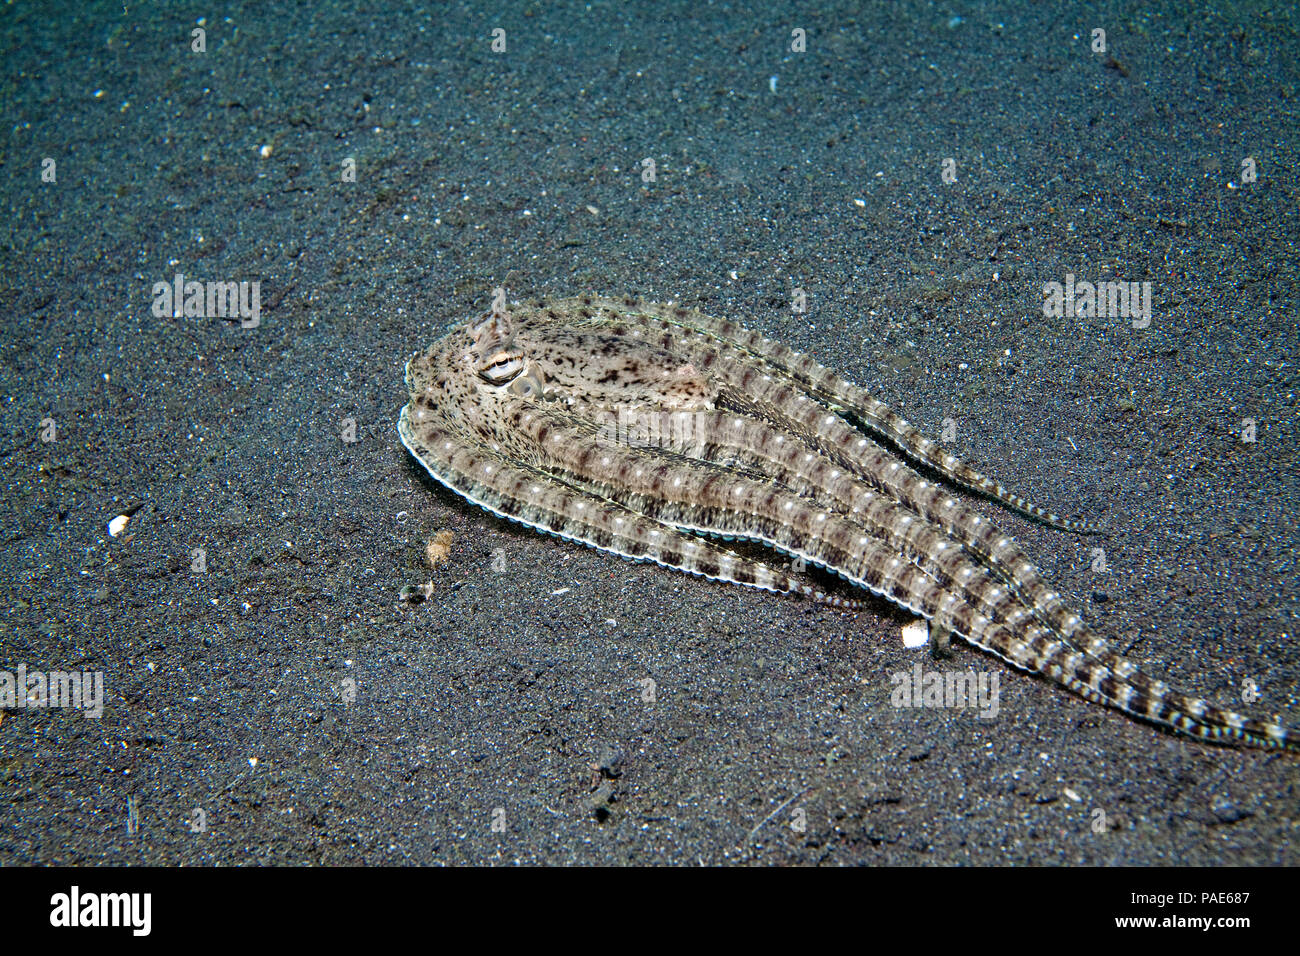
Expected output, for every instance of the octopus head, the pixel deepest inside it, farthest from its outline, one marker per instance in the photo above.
(498, 360)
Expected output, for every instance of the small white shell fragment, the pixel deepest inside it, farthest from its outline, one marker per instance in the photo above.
(1073, 796)
(265, 151)
(562, 591)
(118, 525)
(916, 634)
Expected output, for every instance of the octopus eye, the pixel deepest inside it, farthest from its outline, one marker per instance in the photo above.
(501, 368)
(496, 357)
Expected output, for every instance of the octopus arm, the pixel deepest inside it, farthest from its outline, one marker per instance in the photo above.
(689, 327)
(547, 503)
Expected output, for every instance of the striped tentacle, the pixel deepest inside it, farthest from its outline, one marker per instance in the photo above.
(794, 464)
(1118, 683)
(708, 499)
(838, 392)
(702, 497)
(1093, 669)
(533, 498)
(762, 511)
(996, 550)
(846, 445)
(771, 394)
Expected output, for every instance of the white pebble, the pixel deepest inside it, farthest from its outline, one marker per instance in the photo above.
(916, 634)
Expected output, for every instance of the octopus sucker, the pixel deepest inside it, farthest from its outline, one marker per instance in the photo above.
(660, 434)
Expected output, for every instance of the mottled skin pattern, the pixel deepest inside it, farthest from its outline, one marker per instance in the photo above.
(521, 411)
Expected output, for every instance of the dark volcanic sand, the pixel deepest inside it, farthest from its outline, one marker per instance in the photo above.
(477, 168)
